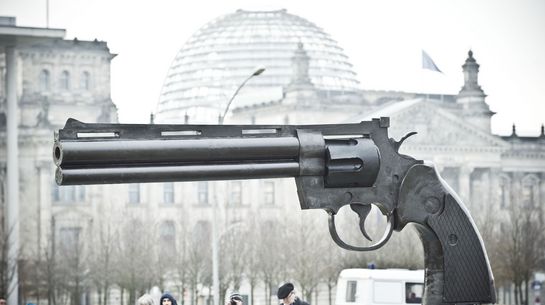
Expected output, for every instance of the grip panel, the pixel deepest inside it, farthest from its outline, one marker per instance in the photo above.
(454, 251)
(467, 274)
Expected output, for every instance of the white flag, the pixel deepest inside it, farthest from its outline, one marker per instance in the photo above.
(427, 62)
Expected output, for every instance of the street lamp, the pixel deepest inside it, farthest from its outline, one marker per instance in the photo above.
(257, 72)
(215, 246)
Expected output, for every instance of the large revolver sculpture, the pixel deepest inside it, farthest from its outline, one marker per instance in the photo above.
(333, 165)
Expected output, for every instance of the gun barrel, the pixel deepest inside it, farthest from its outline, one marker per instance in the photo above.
(127, 161)
(106, 175)
(107, 152)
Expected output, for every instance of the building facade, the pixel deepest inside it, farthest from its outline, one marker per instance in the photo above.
(53, 78)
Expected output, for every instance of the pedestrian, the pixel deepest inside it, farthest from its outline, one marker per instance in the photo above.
(235, 299)
(286, 293)
(167, 299)
(146, 299)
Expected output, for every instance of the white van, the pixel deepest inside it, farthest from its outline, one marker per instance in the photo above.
(380, 287)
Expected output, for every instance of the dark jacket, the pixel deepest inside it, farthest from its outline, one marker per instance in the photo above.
(167, 296)
(298, 301)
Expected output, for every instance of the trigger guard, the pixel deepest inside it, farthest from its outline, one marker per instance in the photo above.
(342, 244)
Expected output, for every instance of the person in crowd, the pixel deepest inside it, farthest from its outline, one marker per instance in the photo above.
(286, 293)
(235, 299)
(167, 299)
(146, 299)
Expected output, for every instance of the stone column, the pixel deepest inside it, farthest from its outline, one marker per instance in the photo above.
(464, 182)
(43, 172)
(493, 188)
(485, 185)
(12, 174)
(541, 196)
(516, 189)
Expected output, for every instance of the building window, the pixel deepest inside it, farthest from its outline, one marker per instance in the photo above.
(44, 80)
(69, 238)
(268, 193)
(235, 198)
(202, 231)
(68, 194)
(134, 193)
(167, 232)
(65, 194)
(202, 192)
(529, 191)
(351, 287)
(85, 81)
(414, 293)
(168, 193)
(65, 80)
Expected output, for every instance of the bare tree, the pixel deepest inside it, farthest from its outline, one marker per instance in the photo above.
(270, 255)
(331, 265)
(253, 264)
(101, 255)
(48, 272)
(7, 270)
(306, 250)
(403, 250)
(520, 247)
(136, 257)
(71, 248)
(183, 242)
(233, 258)
(198, 258)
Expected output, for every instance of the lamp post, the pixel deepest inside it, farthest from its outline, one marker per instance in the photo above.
(257, 72)
(215, 238)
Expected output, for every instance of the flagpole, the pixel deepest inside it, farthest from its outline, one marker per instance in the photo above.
(47, 13)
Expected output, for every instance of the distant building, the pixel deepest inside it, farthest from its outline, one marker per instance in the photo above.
(53, 78)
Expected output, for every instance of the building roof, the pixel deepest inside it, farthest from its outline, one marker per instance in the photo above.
(224, 52)
(11, 34)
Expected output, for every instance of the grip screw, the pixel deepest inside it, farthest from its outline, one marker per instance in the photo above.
(452, 239)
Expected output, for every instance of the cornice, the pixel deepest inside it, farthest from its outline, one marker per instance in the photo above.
(524, 154)
(453, 148)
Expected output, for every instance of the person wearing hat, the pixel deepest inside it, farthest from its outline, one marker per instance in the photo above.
(167, 299)
(235, 299)
(286, 293)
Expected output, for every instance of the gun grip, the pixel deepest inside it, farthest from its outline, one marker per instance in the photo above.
(457, 266)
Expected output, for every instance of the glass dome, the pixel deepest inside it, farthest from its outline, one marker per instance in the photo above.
(222, 54)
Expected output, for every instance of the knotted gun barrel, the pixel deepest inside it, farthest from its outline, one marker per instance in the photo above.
(117, 153)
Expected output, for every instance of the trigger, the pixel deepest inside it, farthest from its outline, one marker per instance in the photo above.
(362, 211)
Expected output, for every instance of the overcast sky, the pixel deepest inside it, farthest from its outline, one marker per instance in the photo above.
(382, 39)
